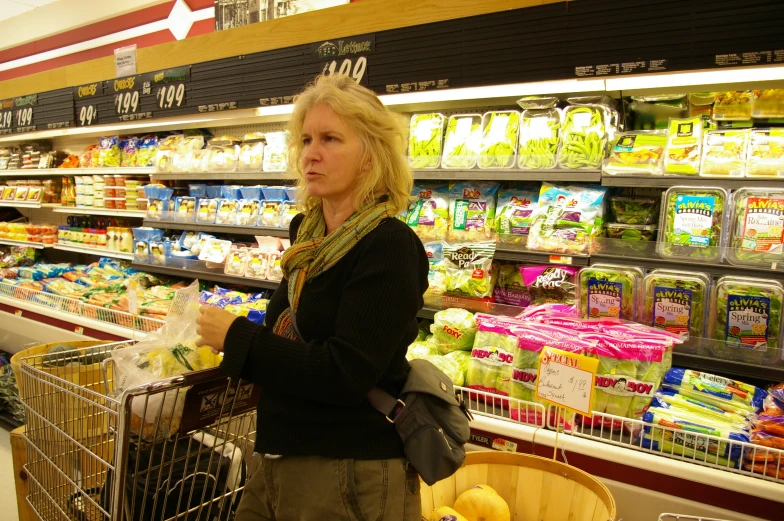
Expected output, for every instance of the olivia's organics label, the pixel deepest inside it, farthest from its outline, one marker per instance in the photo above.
(671, 309)
(747, 321)
(763, 225)
(694, 219)
(604, 298)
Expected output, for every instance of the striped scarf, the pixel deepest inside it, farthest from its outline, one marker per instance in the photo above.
(313, 253)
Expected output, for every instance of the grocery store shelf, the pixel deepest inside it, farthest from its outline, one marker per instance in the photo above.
(21, 204)
(94, 251)
(84, 210)
(189, 272)
(218, 228)
(49, 172)
(752, 373)
(511, 252)
(716, 269)
(582, 176)
(36, 245)
(668, 181)
(225, 176)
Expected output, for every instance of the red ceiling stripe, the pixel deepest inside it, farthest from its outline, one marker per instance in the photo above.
(202, 27)
(147, 40)
(198, 5)
(89, 32)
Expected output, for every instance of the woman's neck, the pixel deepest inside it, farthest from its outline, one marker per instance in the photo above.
(336, 212)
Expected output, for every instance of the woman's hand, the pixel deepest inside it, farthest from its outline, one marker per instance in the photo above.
(212, 327)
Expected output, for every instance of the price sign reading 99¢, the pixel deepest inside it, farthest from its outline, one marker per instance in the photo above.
(567, 380)
(88, 115)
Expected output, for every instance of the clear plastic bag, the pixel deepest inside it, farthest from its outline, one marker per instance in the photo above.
(584, 137)
(425, 140)
(462, 141)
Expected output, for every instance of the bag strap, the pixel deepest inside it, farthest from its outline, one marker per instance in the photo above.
(381, 400)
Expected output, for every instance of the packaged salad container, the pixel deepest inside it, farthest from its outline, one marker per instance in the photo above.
(516, 207)
(223, 154)
(634, 210)
(684, 144)
(425, 140)
(766, 153)
(724, 153)
(692, 223)
(540, 131)
(609, 291)
(768, 103)
(462, 141)
(428, 215)
(746, 314)
(756, 227)
(677, 302)
(636, 153)
(631, 232)
(733, 105)
(498, 148)
(583, 137)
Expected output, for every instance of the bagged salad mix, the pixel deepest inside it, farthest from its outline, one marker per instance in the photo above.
(426, 133)
(567, 219)
(517, 205)
(550, 284)
(540, 131)
(692, 223)
(634, 210)
(510, 288)
(436, 275)
(756, 226)
(472, 211)
(462, 141)
(684, 145)
(636, 153)
(428, 215)
(468, 270)
(498, 148)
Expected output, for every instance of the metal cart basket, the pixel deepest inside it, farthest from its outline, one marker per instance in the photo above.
(180, 448)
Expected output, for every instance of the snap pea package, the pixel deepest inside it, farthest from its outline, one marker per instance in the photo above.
(462, 141)
(472, 211)
(584, 137)
(426, 134)
(567, 219)
(540, 132)
(692, 223)
(499, 139)
(517, 205)
(428, 215)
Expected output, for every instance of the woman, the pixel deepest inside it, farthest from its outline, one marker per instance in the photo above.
(339, 324)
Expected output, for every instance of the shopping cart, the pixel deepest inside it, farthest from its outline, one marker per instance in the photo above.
(181, 448)
(678, 517)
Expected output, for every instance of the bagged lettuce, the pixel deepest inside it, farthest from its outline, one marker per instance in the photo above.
(550, 284)
(428, 215)
(436, 275)
(420, 349)
(453, 329)
(516, 207)
(490, 366)
(510, 288)
(472, 211)
(449, 366)
(567, 219)
(468, 269)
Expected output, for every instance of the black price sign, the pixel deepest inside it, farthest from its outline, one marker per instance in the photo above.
(6, 121)
(88, 115)
(356, 68)
(24, 117)
(170, 96)
(346, 56)
(127, 102)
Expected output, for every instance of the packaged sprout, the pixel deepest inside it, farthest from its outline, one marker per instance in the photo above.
(733, 106)
(270, 213)
(746, 313)
(498, 148)
(468, 270)
(472, 211)
(768, 103)
(766, 153)
(453, 329)
(428, 215)
(540, 130)
(756, 227)
(692, 223)
(425, 140)
(584, 137)
(492, 355)
(631, 232)
(248, 212)
(516, 207)
(609, 291)
(275, 153)
(684, 142)
(676, 302)
(109, 152)
(634, 210)
(724, 153)
(462, 141)
(568, 218)
(251, 153)
(636, 153)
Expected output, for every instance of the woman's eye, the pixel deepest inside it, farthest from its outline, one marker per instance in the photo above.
(306, 141)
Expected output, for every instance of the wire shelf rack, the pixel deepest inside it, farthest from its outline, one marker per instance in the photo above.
(504, 408)
(81, 309)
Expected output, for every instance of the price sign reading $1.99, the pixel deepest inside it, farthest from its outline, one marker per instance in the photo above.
(354, 67)
(170, 96)
(567, 380)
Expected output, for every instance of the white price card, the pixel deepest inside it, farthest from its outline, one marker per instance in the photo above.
(567, 380)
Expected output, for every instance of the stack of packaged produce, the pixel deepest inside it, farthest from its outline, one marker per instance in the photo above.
(632, 220)
(447, 342)
(29, 232)
(768, 432)
(250, 305)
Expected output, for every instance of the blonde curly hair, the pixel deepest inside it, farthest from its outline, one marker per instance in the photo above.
(384, 137)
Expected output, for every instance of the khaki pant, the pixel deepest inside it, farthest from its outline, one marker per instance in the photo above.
(311, 488)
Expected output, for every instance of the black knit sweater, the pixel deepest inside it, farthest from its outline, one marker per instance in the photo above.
(358, 319)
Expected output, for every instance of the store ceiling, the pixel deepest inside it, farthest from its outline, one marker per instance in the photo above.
(11, 8)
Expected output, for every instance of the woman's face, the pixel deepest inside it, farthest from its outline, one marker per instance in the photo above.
(331, 154)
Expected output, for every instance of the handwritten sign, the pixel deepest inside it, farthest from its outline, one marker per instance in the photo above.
(567, 380)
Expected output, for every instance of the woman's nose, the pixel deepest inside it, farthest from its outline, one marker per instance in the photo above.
(311, 153)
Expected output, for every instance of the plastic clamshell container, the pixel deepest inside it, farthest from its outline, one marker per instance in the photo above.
(236, 261)
(540, 133)
(222, 158)
(163, 161)
(200, 162)
(747, 313)
(636, 153)
(684, 146)
(208, 210)
(631, 232)
(287, 213)
(258, 262)
(185, 209)
(609, 291)
(251, 192)
(765, 156)
(425, 140)
(733, 105)
(755, 227)
(462, 141)
(498, 148)
(724, 153)
(692, 223)
(768, 103)
(251, 156)
(583, 137)
(248, 212)
(270, 212)
(275, 153)
(676, 301)
(634, 210)
(227, 212)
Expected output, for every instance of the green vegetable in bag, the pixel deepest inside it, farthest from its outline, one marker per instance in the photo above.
(453, 329)
(634, 210)
(539, 137)
(468, 270)
(462, 141)
(428, 215)
(499, 139)
(449, 367)
(421, 349)
(584, 137)
(424, 142)
(610, 291)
